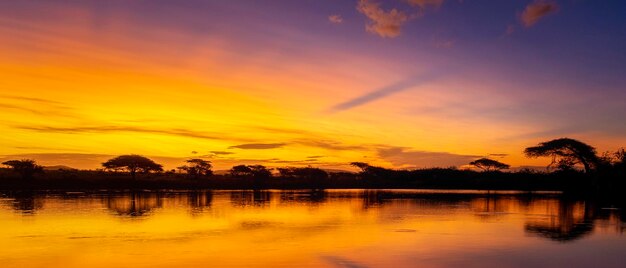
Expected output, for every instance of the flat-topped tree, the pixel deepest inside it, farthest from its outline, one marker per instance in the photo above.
(198, 167)
(487, 164)
(566, 150)
(26, 167)
(132, 163)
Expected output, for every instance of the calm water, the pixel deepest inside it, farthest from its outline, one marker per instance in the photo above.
(308, 229)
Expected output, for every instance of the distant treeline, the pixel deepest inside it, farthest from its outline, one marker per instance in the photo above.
(575, 166)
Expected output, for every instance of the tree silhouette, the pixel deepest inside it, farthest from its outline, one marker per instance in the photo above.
(258, 173)
(240, 171)
(368, 171)
(316, 177)
(254, 171)
(566, 151)
(487, 164)
(26, 167)
(304, 173)
(620, 157)
(132, 163)
(197, 167)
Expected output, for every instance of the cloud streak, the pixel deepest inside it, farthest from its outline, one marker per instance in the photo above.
(106, 129)
(384, 92)
(537, 10)
(258, 146)
(383, 23)
(402, 156)
(37, 106)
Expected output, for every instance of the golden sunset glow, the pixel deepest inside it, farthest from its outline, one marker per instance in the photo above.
(312, 133)
(82, 82)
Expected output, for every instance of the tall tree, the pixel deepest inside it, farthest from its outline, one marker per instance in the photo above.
(132, 163)
(487, 164)
(26, 167)
(566, 150)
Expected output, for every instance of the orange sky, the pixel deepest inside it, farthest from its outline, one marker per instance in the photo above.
(81, 83)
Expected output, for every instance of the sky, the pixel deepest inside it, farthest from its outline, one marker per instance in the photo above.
(397, 83)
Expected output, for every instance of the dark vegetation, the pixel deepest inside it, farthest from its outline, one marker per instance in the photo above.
(575, 167)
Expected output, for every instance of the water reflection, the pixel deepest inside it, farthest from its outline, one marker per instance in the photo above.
(550, 217)
(302, 196)
(333, 227)
(133, 204)
(26, 202)
(564, 220)
(199, 201)
(243, 198)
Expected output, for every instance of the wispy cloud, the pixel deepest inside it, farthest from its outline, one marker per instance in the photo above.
(42, 148)
(537, 10)
(336, 19)
(30, 99)
(37, 106)
(221, 153)
(106, 129)
(383, 23)
(258, 146)
(403, 156)
(425, 3)
(385, 91)
(331, 145)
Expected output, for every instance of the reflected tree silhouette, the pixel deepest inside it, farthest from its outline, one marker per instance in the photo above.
(134, 204)
(373, 198)
(572, 221)
(312, 196)
(246, 198)
(491, 206)
(26, 202)
(199, 200)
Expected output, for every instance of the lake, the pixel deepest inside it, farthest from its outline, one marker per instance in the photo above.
(332, 228)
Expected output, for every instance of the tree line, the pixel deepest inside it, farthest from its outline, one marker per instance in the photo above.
(566, 155)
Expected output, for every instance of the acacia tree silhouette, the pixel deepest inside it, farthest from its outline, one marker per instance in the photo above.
(487, 164)
(197, 167)
(26, 167)
(566, 150)
(132, 163)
